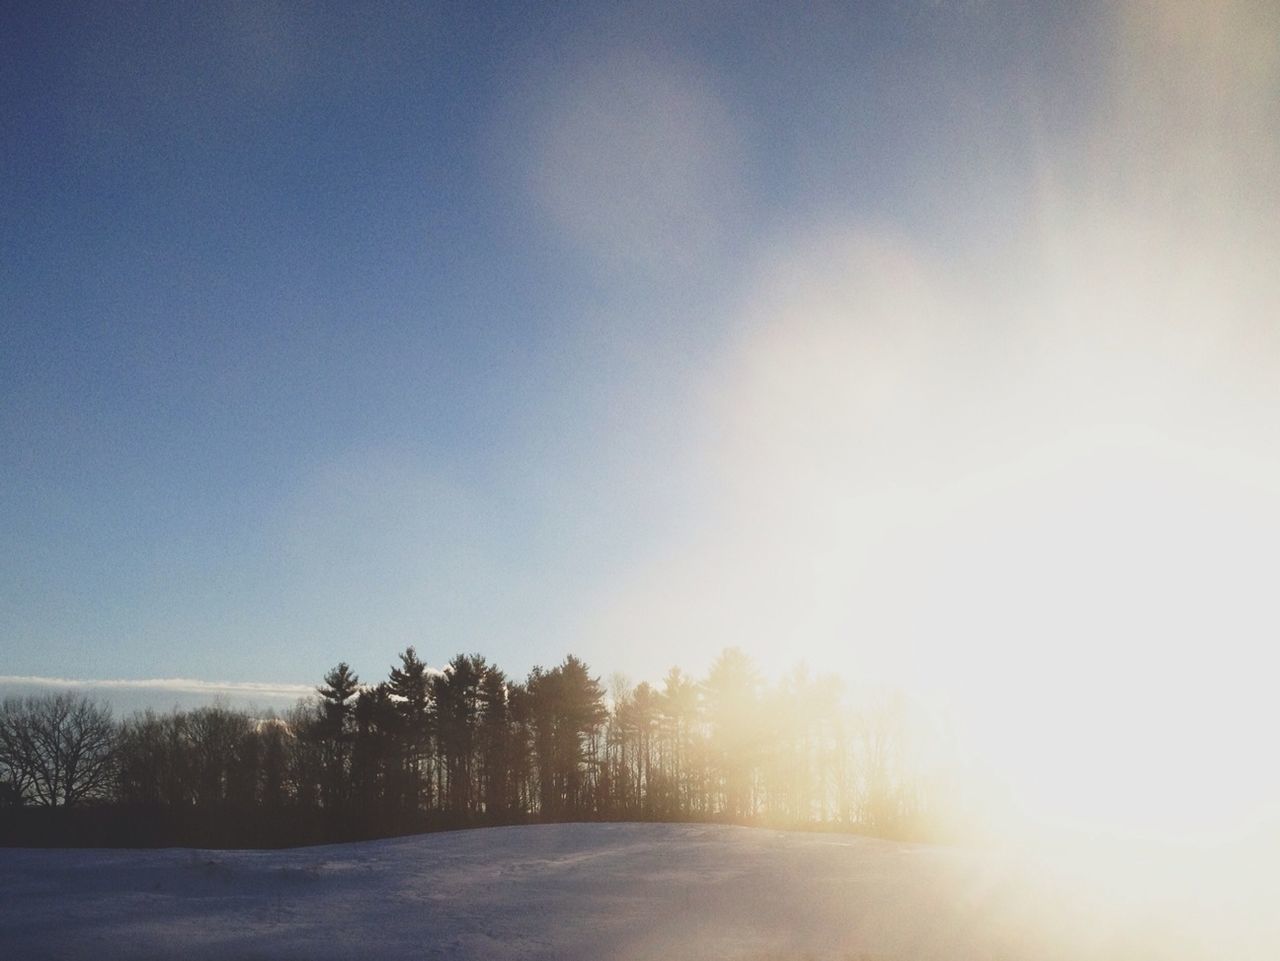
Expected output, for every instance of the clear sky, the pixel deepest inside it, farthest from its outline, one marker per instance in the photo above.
(931, 342)
(330, 331)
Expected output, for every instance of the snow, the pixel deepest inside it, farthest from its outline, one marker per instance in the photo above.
(573, 891)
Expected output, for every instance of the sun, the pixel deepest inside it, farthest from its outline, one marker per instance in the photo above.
(1108, 605)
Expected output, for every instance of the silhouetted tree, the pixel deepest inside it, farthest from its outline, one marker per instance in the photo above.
(523, 786)
(306, 753)
(466, 744)
(568, 713)
(336, 731)
(274, 735)
(223, 770)
(496, 741)
(457, 698)
(155, 759)
(376, 771)
(410, 689)
(57, 749)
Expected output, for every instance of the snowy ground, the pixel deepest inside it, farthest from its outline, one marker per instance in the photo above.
(582, 891)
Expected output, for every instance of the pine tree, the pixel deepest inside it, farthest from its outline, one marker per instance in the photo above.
(495, 739)
(568, 714)
(410, 690)
(336, 731)
(457, 699)
(375, 768)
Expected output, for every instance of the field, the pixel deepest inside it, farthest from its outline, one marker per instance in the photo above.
(578, 891)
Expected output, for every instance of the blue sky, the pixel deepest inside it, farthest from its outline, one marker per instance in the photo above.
(327, 331)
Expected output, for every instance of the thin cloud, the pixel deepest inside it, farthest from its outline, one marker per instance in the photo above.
(183, 685)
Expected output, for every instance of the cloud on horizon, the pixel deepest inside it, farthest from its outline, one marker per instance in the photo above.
(162, 692)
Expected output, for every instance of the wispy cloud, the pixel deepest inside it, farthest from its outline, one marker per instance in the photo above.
(180, 685)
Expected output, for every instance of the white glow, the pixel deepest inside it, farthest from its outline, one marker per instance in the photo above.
(1039, 485)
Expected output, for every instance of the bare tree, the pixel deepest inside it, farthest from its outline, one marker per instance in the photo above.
(17, 748)
(57, 749)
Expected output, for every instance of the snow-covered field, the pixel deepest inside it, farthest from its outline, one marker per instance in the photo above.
(580, 891)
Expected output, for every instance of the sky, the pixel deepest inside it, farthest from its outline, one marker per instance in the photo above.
(933, 343)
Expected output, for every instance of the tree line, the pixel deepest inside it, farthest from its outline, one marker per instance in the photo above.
(463, 745)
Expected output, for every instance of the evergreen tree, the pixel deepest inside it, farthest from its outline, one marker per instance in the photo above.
(733, 747)
(410, 690)
(568, 713)
(522, 787)
(336, 731)
(375, 766)
(495, 742)
(457, 698)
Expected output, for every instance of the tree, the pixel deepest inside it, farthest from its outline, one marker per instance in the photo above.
(495, 742)
(889, 793)
(457, 698)
(410, 692)
(731, 693)
(305, 752)
(222, 770)
(375, 770)
(644, 721)
(430, 748)
(520, 749)
(17, 747)
(144, 762)
(337, 730)
(275, 737)
(567, 712)
(340, 686)
(679, 705)
(635, 781)
(57, 749)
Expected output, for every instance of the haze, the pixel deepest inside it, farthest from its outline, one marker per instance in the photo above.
(933, 344)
